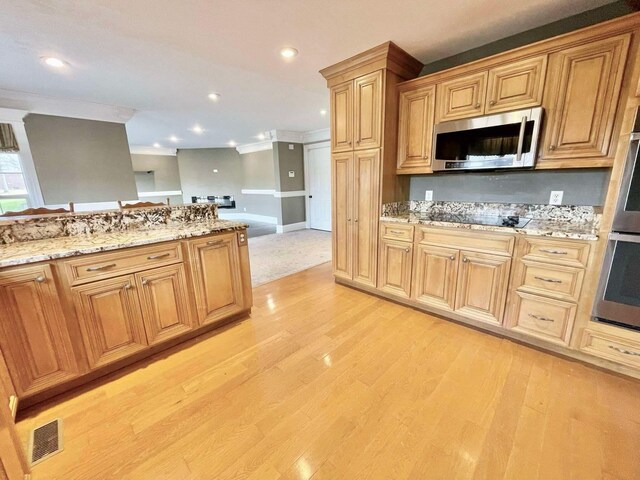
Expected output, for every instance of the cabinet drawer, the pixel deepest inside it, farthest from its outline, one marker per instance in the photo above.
(556, 281)
(565, 252)
(396, 231)
(611, 347)
(543, 317)
(107, 265)
(485, 242)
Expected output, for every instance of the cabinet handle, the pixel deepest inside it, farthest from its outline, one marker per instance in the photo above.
(623, 351)
(465, 259)
(145, 282)
(477, 105)
(40, 279)
(550, 280)
(492, 102)
(407, 249)
(542, 319)
(452, 257)
(356, 220)
(155, 257)
(214, 242)
(127, 286)
(100, 267)
(554, 252)
(552, 147)
(348, 219)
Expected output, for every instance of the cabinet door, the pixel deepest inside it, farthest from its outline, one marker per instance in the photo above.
(415, 130)
(516, 85)
(13, 464)
(165, 302)
(215, 263)
(482, 286)
(368, 110)
(463, 97)
(342, 117)
(110, 319)
(396, 259)
(435, 276)
(34, 335)
(342, 211)
(366, 215)
(583, 90)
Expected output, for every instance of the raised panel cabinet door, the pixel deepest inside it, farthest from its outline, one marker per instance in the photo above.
(165, 302)
(215, 263)
(462, 97)
(34, 334)
(435, 276)
(342, 211)
(583, 91)
(516, 85)
(396, 259)
(482, 286)
(342, 117)
(368, 110)
(366, 215)
(417, 110)
(110, 320)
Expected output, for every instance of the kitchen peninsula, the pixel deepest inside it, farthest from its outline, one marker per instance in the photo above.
(88, 293)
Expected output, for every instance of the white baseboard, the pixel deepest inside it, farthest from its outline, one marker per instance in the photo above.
(291, 227)
(248, 216)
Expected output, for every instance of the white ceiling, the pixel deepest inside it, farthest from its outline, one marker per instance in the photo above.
(163, 57)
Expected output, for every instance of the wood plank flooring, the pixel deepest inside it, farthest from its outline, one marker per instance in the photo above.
(325, 382)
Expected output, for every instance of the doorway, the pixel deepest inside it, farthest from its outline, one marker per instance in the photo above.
(318, 180)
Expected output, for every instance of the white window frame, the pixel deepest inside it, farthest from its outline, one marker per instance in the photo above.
(15, 118)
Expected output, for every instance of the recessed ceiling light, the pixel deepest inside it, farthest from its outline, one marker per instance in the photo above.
(261, 136)
(323, 112)
(197, 129)
(157, 145)
(214, 97)
(232, 143)
(288, 52)
(174, 139)
(54, 62)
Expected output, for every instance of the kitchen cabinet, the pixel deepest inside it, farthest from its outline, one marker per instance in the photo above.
(13, 464)
(110, 320)
(482, 286)
(396, 259)
(342, 206)
(516, 85)
(415, 129)
(435, 276)
(342, 117)
(216, 276)
(462, 97)
(165, 302)
(546, 318)
(34, 334)
(581, 103)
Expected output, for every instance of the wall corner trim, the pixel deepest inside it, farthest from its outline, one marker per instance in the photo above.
(313, 136)
(287, 136)
(254, 147)
(142, 150)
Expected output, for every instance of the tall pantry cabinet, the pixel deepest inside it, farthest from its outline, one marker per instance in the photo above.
(364, 114)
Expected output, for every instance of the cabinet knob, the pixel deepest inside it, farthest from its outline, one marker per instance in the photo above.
(348, 219)
(407, 249)
(492, 102)
(477, 105)
(127, 286)
(356, 220)
(465, 259)
(552, 147)
(452, 257)
(40, 279)
(145, 282)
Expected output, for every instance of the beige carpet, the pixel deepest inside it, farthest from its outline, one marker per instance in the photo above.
(278, 255)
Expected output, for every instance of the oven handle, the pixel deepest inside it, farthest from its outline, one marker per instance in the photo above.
(624, 237)
(523, 126)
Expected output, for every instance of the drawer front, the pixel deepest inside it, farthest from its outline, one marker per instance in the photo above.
(564, 252)
(397, 232)
(108, 265)
(543, 317)
(556, 281)
(473, 240)
(611, 347)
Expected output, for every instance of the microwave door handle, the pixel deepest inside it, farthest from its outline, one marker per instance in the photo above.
(523, 126)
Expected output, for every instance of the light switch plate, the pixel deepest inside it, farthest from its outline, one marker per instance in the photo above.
(215, 170)
(292, 174)
(556, 197)
(291, 146)
(428, 195)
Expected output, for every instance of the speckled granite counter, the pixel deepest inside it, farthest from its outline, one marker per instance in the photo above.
(572, 222)
(30, 240)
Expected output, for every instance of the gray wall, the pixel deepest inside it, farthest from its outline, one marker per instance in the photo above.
(575, 22)
(164, 168)
(581, 187)
(80, 160)
(258, 170)
(285, 160)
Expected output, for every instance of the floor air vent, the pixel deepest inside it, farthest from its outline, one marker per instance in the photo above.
(45, 441)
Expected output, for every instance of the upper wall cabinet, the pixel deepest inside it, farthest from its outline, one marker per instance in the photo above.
(516, 85)
(356, 113)
(415, 129)
(581, 101)
(462, 97)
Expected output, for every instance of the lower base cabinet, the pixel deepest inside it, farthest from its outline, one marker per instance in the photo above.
(436, 274)
(396, 259)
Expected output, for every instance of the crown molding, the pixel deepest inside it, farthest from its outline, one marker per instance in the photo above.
(286, 136)
(254, 147)
(143, 150)
(64, 107)
(313, 136)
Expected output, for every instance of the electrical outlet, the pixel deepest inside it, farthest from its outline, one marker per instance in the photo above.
(428, 195)
(556, 197)
(291, 146)
(245, 209)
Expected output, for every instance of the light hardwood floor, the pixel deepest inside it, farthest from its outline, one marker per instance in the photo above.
(325, 382)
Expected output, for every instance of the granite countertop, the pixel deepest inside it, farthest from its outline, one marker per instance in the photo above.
(577, 230)
(20, 253)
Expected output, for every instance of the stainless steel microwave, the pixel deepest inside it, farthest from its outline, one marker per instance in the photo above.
(504, 140)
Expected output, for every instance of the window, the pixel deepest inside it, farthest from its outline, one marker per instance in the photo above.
(13, 190)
